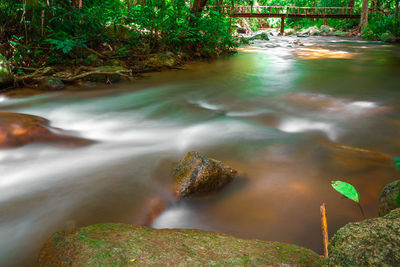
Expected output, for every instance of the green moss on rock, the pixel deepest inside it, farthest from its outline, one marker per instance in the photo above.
(129, 245)
(372, 242)
(388, 199)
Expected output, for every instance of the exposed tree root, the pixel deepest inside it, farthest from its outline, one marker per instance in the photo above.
(121, 72)
(79, 73)
(37, 74)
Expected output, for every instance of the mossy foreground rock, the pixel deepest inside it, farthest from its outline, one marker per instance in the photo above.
(129, 245)
(6, 76)
(388, 199)
(373, 242)
(196, 174)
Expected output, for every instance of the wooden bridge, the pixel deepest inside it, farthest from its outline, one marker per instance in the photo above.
(292, 12)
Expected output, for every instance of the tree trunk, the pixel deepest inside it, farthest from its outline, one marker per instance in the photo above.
(364, 15)
(198, 6)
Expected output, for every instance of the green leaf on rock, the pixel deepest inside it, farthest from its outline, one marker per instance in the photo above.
(133, 260)
(346, 190)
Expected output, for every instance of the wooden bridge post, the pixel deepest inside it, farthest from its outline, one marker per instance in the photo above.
(282, 25)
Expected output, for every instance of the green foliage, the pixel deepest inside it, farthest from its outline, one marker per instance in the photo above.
(244, 41)
(380, 26)
(65, 45)
(347, 190)
(18, 49)
(59, 32)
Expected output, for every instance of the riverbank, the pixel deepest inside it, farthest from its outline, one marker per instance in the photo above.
(96, 67)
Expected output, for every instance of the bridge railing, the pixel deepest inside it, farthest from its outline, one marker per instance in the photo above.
(291, 10)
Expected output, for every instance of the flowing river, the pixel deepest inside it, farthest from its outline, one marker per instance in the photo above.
(290, 118)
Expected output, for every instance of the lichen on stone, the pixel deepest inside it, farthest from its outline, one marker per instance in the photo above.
(372, 242)
(116, 244)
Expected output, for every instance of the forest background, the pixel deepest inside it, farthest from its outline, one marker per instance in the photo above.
(37, 33)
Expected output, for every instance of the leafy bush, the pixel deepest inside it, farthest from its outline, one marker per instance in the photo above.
(380, 26)
(62, 31)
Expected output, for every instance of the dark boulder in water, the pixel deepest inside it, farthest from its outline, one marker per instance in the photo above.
(196, 174)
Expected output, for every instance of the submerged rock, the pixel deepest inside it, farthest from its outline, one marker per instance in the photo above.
(389, 198)
(302, 35)
(115, 244)
(51, 84)
(6, 76)
(372, 242)
(196, 174)
(18, 129)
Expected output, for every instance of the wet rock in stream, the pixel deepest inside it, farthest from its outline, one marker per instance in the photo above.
(196, 174)
(18, 129)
